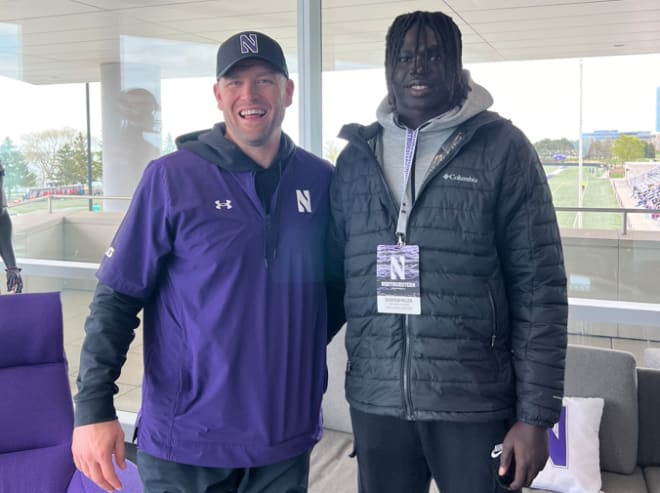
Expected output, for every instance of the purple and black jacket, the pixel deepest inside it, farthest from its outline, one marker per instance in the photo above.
(235, 322)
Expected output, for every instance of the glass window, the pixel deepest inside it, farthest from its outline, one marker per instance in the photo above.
(146, 72)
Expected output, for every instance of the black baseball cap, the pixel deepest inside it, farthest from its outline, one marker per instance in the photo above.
(250, 44)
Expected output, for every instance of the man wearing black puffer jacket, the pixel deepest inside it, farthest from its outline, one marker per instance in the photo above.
(455, 284)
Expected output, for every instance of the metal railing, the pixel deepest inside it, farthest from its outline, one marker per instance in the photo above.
(618, 210)
(50, 199)
(585, 309)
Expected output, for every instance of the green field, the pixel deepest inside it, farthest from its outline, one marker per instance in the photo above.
(564, 185)
(598, 193)
(59, 205)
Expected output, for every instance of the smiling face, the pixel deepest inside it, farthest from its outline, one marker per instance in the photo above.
(418, 79)
(253, 98)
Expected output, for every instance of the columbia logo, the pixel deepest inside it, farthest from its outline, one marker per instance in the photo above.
(223, 205)
(464, 179)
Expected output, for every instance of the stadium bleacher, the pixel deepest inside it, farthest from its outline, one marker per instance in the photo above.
(646, 190)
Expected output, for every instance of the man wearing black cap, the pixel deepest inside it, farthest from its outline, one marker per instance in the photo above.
(223, 249)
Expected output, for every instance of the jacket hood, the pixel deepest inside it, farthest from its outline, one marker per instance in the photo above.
(478, 100)
(212, 145)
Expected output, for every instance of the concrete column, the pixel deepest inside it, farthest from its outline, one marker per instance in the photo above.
(130, 99)
(309, 75)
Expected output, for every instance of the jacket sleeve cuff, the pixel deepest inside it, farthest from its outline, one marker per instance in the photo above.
(540, 421)
(94, 411)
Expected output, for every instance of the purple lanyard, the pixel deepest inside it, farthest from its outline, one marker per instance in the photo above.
(408, 158)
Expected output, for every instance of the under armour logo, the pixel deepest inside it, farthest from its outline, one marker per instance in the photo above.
(109, 252)
(249, 43)
(304, 201)
(223, 205)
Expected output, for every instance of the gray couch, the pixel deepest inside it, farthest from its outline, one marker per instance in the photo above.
(629, 432)
(630, 426)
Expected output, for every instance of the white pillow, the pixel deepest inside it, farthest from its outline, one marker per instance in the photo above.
(574, 463)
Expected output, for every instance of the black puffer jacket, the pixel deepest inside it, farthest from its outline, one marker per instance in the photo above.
(491, 339)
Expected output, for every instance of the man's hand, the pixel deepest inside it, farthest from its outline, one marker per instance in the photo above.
(529, 445)
(14, 281)
(93, 447)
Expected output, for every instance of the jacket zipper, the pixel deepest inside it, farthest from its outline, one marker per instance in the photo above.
(493, 336)
(267, 240)
(406, 362)
(406, 359)
(270, 222)
(443, 158)
(407, 352)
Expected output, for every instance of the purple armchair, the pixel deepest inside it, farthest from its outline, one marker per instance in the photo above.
(36, 410)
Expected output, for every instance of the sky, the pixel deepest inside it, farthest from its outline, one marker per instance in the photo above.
(541, 97)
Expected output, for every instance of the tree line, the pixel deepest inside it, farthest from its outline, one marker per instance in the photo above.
(624, 148)
(60, 156)
(50, 156)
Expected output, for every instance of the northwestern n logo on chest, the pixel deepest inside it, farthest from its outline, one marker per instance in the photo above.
(304, 200)
(249, 43)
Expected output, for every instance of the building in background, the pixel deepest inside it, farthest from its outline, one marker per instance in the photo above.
(603, 135)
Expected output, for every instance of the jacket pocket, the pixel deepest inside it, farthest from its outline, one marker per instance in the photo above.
(496, 353)
(493, 317)
(182, 395)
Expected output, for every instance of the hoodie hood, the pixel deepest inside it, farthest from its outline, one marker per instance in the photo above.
(432, 135)
(478, 100)
(212, 145)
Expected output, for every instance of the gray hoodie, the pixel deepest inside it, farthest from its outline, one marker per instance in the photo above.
(432, 134)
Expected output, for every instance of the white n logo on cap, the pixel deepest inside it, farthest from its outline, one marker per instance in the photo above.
(249, 43)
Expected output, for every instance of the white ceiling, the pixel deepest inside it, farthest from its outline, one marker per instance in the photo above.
(57, 41)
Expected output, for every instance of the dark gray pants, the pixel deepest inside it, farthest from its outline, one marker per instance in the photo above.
(396, 456)
(161, 476)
